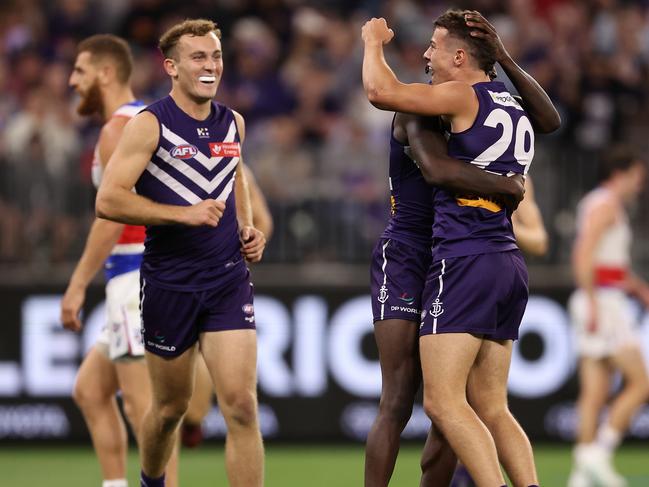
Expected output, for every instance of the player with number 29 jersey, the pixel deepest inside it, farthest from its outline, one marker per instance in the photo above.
(478, 280)
(501, 140)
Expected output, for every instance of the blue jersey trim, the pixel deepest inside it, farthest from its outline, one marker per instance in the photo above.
(118, 264)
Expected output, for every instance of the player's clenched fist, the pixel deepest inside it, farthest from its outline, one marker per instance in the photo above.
(207, 212)
(376, 30)
(253, 243)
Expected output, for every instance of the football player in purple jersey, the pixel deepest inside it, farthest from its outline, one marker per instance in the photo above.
(476, 289)
(182, 155)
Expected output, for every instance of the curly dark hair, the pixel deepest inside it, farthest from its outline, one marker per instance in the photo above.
(483, 53)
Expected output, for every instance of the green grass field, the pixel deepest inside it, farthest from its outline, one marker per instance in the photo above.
(286, 466)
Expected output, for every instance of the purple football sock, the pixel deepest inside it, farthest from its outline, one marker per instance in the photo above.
(461, 478)
(149, 482)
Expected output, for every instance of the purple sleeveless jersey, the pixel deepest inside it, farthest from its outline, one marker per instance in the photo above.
(501, 140)
(194, 160)
(411, 200)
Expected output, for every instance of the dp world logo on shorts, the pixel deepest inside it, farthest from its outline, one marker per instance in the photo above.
(383, 294)
(436, 308)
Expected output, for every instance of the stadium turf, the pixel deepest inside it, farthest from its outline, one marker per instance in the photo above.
(286, 466)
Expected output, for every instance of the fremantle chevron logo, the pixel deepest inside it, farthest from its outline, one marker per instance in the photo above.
(184, 151)
(407, 299)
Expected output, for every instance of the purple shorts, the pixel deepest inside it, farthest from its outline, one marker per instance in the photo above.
(172, 320)
(397, 278)
(482, 294)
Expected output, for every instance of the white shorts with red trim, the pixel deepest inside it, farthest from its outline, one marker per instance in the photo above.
(615, 329)
(121, 336)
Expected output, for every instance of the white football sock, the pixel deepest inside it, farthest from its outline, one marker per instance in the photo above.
(115, 483)
(608, 438)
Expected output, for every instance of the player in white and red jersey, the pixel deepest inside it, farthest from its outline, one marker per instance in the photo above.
(101, 77)
(607, 342)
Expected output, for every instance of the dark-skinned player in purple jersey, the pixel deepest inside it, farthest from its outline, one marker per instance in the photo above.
(398, 276)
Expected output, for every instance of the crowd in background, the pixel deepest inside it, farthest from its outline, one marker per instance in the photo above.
(317, 147)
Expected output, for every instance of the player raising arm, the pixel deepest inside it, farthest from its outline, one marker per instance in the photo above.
(466, 331)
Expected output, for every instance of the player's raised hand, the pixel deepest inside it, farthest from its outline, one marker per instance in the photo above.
(70, 306)
(482, 28)
(253, 243)
(207, 212)
(376, 30)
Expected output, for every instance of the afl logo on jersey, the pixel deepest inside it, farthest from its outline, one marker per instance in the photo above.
(184, 151)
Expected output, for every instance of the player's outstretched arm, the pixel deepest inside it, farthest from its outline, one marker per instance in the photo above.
(115, 199)
(386, 92)
(430, 151)
(544, 116)
(529, 229)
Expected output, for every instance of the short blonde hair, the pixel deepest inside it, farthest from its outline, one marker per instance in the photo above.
(193, 27)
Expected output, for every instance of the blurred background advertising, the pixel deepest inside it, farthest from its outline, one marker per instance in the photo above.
(319, 152)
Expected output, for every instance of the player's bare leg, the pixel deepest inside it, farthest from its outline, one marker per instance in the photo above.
(438, 460)
(630, 362)
(199, 405)
(594, 453)
(94, 393)
(594, 387)
(231, 357)
(135, 385)
(397, 342)
(172, 381)
(487, 394)
(446, 361)
(133, 380)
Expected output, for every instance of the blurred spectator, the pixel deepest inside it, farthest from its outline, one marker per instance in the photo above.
(293, 69)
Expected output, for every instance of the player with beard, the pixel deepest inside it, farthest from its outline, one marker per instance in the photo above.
(182, 154)
(476, 288)
(101, 77)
